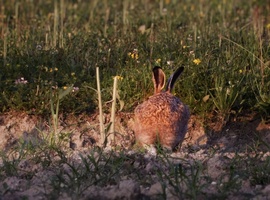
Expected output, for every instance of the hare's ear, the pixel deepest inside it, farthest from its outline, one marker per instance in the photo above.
(158, 79)
(173, 78)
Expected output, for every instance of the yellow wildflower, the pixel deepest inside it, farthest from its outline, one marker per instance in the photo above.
(134, 55)
(65, 87)
(240, 71)
(158, 61)
(268, 26)
(118, 77)
(197, 61)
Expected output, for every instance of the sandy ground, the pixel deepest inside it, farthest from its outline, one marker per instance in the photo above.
(214, 148)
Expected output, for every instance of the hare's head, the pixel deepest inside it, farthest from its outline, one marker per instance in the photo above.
(159, 79)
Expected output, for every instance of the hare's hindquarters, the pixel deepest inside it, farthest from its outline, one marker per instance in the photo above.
(143, 126)
(182, 126)
(161, 119)
(173, 129)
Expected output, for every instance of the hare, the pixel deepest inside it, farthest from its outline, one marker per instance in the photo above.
(162, 118)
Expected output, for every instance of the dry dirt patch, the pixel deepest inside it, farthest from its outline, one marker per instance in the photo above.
(212, 155)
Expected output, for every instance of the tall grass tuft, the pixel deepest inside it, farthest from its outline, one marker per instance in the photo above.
(62, 17)
(100, 107)
(5, 35)
(55, 24)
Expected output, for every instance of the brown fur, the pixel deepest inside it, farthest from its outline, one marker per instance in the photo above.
(162, 119)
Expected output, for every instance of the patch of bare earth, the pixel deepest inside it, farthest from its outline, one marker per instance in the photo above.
(213, 152)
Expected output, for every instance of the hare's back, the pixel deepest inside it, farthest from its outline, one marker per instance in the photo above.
(163, 107)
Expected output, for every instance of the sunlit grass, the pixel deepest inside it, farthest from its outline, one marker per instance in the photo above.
(218, 39)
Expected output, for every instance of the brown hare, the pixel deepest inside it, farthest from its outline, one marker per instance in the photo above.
(162, 118)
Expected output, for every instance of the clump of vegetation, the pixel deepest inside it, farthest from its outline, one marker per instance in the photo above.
(49, 44)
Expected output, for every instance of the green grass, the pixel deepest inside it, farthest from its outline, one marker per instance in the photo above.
(59, 43)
